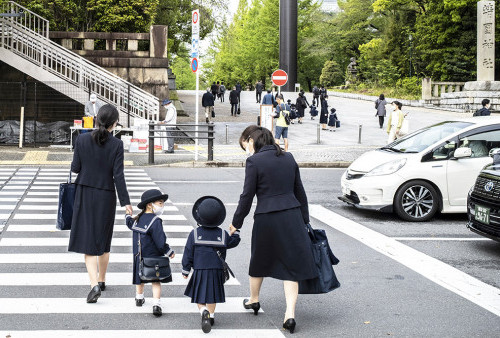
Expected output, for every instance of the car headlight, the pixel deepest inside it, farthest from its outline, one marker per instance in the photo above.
(387, 168)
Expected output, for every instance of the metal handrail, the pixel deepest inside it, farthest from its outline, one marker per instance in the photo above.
(71, 67)
(30, 19)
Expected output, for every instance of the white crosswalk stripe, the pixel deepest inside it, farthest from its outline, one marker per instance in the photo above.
(31, 245)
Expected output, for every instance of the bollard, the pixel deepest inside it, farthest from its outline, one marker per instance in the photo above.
(258, 121)
(359, 136)
(318, 141)
(210, 141)
(21, 128)
(151, 157)
(227, 136)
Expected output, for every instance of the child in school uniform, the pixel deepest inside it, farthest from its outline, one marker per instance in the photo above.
(148, 227)
(332, 119)
(206, 286)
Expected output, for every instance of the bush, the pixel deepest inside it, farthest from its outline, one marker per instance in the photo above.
(331, 75)
(409, 86)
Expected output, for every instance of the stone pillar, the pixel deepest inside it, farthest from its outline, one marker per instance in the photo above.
(88, 44)
(426, 89)
(110, 44)
(67, 43)
(132, 45)
(158, 41)
(486, 41)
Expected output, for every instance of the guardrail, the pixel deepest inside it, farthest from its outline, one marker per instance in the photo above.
(434, 89)
(210, 137)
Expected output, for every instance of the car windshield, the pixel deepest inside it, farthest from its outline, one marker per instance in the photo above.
(423, 138)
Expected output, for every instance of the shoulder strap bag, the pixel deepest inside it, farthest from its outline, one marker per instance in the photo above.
(65, 207)
(225, 266)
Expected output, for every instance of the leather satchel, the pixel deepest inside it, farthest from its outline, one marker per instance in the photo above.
(153, 269)
(225, 267)
(65, 207)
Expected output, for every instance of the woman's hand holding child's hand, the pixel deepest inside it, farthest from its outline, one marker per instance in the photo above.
(232, 229)
(172, 255)
(128, 210)
(185, 277)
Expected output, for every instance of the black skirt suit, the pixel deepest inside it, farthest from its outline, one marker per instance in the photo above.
(280, 243)
(100, 169)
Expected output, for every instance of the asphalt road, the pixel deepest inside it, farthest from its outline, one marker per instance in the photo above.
(379, 295)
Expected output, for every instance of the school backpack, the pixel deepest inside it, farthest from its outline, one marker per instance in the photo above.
(316, 91)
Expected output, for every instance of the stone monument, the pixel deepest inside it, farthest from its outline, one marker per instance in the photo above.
(485, 86)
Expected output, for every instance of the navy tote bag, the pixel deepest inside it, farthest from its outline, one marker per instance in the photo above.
(323, 259)
(65, 209)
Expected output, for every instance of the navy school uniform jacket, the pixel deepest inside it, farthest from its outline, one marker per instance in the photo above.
(153, 239)
(202, 243)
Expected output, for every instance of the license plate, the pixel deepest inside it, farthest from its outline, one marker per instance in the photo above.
(482, 214)
(346, 190)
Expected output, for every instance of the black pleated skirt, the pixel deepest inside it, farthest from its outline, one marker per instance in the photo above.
(93, 221)
(206, 286)
(281, 247)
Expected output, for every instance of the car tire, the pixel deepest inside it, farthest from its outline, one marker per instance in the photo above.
(416, 201)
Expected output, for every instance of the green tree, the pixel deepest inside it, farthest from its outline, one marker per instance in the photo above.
(332, 74)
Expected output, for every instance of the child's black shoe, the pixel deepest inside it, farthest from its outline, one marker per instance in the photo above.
(212, 321)
(139, 302)
(157, 311)
(206, 326)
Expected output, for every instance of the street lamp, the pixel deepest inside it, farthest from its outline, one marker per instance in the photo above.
(410, 37)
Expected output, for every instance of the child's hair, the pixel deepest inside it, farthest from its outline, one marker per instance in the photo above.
(136, 218)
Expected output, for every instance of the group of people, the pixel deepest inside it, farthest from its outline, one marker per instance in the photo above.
(217, 90)
(398, 122)
(279, 245)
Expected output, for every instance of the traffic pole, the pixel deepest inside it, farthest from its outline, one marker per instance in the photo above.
(196, 114)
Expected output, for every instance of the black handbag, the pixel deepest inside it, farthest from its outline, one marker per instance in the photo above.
(213, 112)
(225, 266)
(323, 259)
(153, 269)
(65, 208)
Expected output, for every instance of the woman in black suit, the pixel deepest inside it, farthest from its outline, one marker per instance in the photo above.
(280, 243)
(98, 160)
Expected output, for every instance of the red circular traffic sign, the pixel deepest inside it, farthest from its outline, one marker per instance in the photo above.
(195, 17)
(279, 77)
(194, 65)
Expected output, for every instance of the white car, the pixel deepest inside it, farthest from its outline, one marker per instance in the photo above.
(427, 171)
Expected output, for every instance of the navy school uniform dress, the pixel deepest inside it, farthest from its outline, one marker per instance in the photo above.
(149, 228)
(206, 285)
(332, 119)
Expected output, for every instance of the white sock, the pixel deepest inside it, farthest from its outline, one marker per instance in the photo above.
(139, 296)
(212, 315)
(203, 309)
(156, 301)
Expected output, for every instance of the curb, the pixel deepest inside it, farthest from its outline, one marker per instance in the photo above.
(216, 164)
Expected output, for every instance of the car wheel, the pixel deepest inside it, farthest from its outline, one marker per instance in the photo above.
(416, 201)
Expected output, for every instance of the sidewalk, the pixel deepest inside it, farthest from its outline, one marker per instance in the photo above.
(336, 149)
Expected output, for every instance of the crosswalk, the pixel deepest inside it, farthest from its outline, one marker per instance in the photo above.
(44, 287)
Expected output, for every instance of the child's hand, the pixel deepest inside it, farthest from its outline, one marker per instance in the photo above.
(185, 277)
(172, 255)
(128, 209)
(232, 229)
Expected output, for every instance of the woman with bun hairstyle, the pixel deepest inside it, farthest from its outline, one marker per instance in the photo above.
(98, 160)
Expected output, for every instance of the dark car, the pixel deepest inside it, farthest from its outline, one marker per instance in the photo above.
(483, 203)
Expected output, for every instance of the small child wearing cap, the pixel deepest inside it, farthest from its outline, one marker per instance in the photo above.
(203, 247)
(147, 227)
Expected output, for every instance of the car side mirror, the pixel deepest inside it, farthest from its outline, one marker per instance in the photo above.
(494, 151)
(462, 153)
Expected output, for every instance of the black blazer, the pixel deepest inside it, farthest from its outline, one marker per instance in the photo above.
(276, 182)
(207, 100)
(100, 167)
(233, 97)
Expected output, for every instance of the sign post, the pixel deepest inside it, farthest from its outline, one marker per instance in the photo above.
(279, 78)
(195, 40)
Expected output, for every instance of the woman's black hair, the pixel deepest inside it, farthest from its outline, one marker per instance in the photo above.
(381, 97)
(261, 137)
(399, 104)
(106, 117)
(246, 134)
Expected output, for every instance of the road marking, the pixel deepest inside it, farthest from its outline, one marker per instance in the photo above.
(107, 305)
(458, 239)
(54, 217)
(219, 333)
(54, 207)
(482, 294)
(55, 200)
(80, 278)
(117, 228)
(64, 241)
(67, 258)
(208, 182)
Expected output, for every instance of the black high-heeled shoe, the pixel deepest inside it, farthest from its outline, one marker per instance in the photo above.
(253, 306)
(289, 325)
(102, 285)
(94, 294)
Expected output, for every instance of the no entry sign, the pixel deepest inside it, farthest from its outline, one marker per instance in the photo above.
(194, 65)
(279, 77)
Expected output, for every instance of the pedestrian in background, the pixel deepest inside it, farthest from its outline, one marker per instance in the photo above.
(315, 100)
(332, 119)
(149, 240)
(169, 122)
(323, 116)
(381, 111)
(395, 121)
(280, 246)
(258, 91)
(208, 102)
(301, 105)
(98, 160)
(322, 91)
(92, 107)
(281, 129)
(268, 98)
(204, 252)
(238, 89)
(213, 88)
(234, 101)
(485, 111)
(222, 91)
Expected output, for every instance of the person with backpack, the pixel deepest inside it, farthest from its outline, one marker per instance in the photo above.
(222, 91)
(282, 123)
(301, 104)
(485, 111)
(381, 112)
(315, 100)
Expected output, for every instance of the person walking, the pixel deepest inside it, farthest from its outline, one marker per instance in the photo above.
(234, 101)
(301, 105)
(204, 252)
(323, 117)
(208, 102)
(332, 119)
(258, 91)
(395, 121)
(323, 91)
(268, 98)
(281, 129)
(485, 111)
(238, 89)
(222, 91)
(213, 89)
(381, 112)
(98, 160)
(149, 240)
(315, 100)
(280, 246)
(170, 121)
